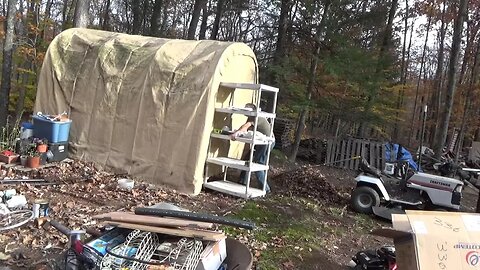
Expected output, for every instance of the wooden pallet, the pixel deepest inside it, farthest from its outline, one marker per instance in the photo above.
(20, 168)
(341, 152)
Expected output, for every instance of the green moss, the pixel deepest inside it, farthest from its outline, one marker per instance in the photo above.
(289, 228)
(295, 235)
(257, 213)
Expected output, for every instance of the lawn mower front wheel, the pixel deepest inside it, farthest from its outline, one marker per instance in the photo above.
(364, 198)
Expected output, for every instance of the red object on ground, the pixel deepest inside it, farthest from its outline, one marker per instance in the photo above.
(8, 153)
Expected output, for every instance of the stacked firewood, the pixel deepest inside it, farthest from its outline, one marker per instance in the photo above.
(283, 131)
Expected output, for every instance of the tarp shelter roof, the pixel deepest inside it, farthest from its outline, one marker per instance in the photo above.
(141, 105)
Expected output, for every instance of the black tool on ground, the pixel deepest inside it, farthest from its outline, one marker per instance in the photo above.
(383, 258)
(195, 217)
(74, 256)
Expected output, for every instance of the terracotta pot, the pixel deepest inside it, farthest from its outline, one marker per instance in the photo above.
(42, 148)
(8, 159)
(33, 162)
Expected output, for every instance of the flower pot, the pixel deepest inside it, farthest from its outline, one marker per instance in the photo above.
(42, 148)
(33, 162)
(8, 159)
(23, 160)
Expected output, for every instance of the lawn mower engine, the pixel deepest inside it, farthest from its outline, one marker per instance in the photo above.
(380, 259)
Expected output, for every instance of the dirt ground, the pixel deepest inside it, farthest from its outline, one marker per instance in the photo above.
(305, 223)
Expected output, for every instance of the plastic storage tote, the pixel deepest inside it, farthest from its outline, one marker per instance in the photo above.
(53, 131)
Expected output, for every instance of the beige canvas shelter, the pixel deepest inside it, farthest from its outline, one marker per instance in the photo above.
(143, 105)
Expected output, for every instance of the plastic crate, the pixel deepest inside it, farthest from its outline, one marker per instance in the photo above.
(57, 151)
(53, 131)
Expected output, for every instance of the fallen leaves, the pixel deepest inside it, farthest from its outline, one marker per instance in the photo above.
(85, 192)
(309, 182)
(4, 257)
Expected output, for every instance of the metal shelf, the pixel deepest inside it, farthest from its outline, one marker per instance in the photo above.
(234, 189)
(245, 112)
(237, 164)
(240, 139)
(250, 86)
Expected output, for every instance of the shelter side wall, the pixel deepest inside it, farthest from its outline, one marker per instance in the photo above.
(143, 106)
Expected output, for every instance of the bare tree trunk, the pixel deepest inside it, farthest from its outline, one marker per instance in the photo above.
(157, 8)
(65, 14)
(438, 81)
(218, 18)
(7, 62)
(422, 66)
(403, 73)
(467, 54)
(137, 17)
(452, 77)
(311, 80)
(46, 18)
(203, 25)
(81, 18)
(27, 65)
(468, 102)
(409, 49)
(197, 9)
(145, 17)
(106, 16)
(286, 6)
(163, 27)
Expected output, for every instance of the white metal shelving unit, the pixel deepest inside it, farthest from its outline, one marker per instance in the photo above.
(231, 187)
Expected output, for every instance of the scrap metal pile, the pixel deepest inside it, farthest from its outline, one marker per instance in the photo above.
(159, 237)
(76, 192)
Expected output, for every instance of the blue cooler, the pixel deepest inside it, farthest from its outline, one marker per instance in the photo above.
(53, 131)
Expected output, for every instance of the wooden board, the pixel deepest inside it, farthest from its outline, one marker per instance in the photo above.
(153, 221)
(203, 235)
(329, 150)
(342, 154)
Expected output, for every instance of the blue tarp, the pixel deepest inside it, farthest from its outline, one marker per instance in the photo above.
(404, 155)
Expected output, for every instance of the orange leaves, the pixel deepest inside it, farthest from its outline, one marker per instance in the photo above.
(26, 51)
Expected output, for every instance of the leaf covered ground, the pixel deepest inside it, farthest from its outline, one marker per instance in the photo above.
(304, 224)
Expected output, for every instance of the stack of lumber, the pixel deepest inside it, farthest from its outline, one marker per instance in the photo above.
(283, 130)
(170, 222)
(312, 150)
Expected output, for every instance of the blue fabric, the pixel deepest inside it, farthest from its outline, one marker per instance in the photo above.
(404, 155)
(27, 125)
(259, 156)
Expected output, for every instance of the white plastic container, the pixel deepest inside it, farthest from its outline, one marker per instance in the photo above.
(125, 183)
(17, 201)
(26, 131)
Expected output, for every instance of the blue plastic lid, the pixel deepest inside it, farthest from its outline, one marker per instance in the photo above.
(27, 125)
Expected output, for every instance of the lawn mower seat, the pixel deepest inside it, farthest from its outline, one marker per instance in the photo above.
(367, 168)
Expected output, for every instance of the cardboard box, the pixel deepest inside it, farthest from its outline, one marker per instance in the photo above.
(427, 240)
(213, 256)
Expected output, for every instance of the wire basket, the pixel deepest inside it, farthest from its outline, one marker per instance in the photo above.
(134, 253)
(183, 254)
(144, 251)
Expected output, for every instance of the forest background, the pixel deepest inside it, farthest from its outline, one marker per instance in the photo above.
(362, 68)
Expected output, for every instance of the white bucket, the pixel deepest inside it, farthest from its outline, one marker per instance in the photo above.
(125, 183)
